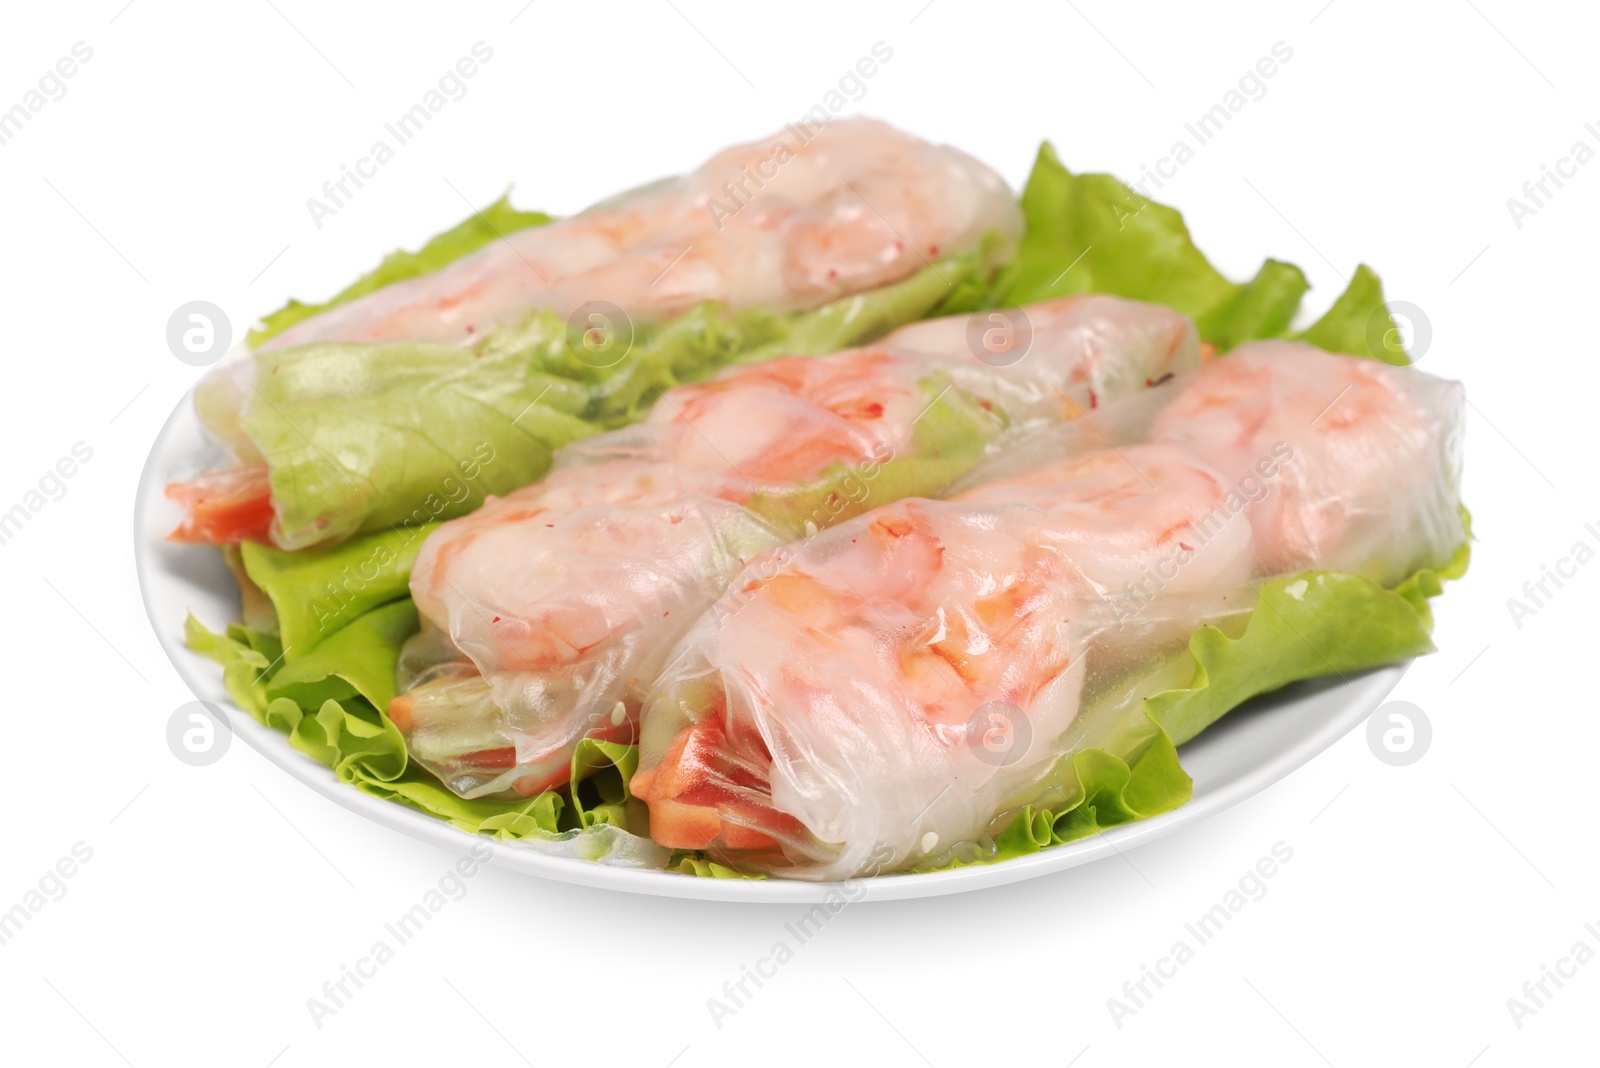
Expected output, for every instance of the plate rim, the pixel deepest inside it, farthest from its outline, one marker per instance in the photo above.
(1365, 690)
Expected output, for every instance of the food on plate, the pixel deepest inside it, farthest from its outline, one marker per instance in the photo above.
(1109, 585)
(836, 713)
(416, 401)
(547, 612)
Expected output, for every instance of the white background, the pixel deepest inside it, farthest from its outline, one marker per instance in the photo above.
(219, 899)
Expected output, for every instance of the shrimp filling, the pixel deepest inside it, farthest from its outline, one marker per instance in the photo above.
(568, 595)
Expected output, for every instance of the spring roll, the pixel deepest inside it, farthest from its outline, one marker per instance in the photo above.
(417, 401)
(836, 712)
(794, 220)
(547, 614)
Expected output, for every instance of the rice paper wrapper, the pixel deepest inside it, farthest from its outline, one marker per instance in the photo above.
(549, 613)
(899, 690)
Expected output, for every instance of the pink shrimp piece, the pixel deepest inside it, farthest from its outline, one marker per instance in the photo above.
(791, 418)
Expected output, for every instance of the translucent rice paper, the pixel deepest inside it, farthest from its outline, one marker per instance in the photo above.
(884, 695)
(791, 221)
(551, 641)
(1375, 491)
(547, 613)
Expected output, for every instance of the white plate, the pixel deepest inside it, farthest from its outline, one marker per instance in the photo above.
(1249, 750)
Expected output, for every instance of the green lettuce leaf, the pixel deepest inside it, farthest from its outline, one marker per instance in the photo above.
(1102, 790)
(1304, 627)
(317, 591)
(357, 660)
(359, 438)
(1090, 233)
(1359, 323)
(1261, 308)
(331, 705)
(690, 862)
(467, 236)
(1311, 625)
